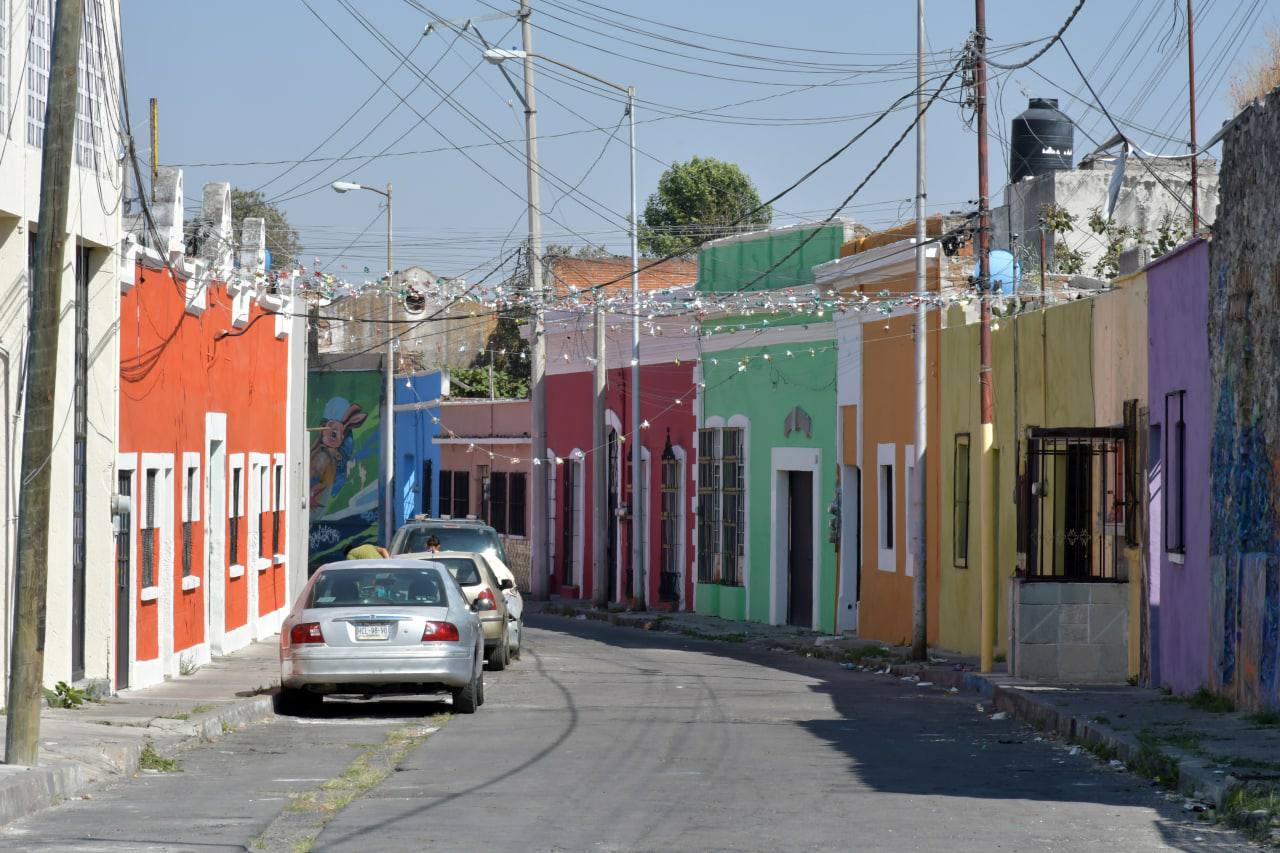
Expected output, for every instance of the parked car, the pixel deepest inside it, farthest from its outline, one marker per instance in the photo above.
(487, 596)
(381, 626)
(455, 534)
(515, 603)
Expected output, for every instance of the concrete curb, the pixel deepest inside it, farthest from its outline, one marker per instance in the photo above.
(1196, 779)
(27, 790)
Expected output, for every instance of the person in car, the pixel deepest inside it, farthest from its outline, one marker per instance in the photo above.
(433, 544)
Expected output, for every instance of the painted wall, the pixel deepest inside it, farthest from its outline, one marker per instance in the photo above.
(1179, 588)
(177, 368)
(1244, 314)
(415, 431)
(569, 430)
(764, 393)
(886, 611)
(344, 420)
(1054, 388)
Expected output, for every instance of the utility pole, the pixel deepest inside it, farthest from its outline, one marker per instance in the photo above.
(538, 353)
(389, 427)
(600, 519)
(22, 732)
(155, 145)
(920, 622)
(1191, 88)
(637, 492)
(986, 467)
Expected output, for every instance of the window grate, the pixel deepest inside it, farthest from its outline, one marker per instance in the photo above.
(233, 534)
(960, 501)
(187, 523)
(669, 580)
(149, 530)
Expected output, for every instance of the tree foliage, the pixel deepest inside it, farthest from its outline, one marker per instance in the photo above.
(1261, 75)
(473, 382)
(702, 199)
(282, 238)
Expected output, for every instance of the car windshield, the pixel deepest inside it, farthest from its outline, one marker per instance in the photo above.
(464, 569)
(354, 588)
(467, 539)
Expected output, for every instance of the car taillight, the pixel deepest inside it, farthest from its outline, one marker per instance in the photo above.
(439, 631)
(306, 632)
(485, 600)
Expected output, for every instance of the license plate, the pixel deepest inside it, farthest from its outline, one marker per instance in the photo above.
(373, 631)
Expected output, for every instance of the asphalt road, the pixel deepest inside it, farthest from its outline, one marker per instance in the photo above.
(612, 739)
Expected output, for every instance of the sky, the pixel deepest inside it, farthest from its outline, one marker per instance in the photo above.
(773, 87)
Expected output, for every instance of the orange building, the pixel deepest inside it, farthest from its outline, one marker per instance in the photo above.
(203, 450)
(877, 419)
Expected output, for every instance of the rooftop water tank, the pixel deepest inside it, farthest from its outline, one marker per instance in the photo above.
(1042, 140)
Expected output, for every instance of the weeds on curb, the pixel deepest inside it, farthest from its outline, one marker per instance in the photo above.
(1253, 810)
(1266, 718)
(152, 760)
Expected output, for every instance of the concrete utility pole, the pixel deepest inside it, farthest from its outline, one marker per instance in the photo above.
(920, 622)
(538, 538)
(600, 519)
(154, 105)
(986, 439)
(389, 428)
(637, 491)
(1191, 88)
(22, 731)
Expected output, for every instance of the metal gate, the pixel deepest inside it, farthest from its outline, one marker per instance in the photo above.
(1074, 503)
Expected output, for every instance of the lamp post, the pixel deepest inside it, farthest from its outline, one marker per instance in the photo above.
(389, 369)
(497, 56)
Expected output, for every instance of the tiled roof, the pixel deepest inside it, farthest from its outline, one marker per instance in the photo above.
(583, 273)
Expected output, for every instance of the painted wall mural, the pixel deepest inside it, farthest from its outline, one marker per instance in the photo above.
(344, 424)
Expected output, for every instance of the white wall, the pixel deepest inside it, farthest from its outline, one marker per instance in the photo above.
(94, 220)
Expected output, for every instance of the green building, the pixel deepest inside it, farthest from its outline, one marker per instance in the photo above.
(766, 465)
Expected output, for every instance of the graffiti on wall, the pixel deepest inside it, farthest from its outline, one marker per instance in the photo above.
(344, 426)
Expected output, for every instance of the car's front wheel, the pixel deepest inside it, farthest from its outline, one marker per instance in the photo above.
(467, 699)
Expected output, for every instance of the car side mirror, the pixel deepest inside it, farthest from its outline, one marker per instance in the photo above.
(475, 606)
(506, 583)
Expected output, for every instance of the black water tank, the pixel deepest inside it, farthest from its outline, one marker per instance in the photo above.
(1041, 142)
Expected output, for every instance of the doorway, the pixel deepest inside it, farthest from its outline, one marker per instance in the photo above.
(124, 574)
(611, 554)
(800, 548)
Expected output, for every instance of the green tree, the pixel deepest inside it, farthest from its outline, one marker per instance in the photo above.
(282, 238)
(702, 199)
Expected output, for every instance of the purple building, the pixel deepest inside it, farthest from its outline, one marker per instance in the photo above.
(1180, 403)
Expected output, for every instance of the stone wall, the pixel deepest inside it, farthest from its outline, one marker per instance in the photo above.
(1071, 632)
(1244, 353)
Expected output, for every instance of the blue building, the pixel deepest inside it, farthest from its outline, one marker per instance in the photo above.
(417, 416)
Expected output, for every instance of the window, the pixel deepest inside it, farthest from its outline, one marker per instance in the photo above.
(264, 507)
(124, 531)
(190, 493)
(149, 530)
(568, 521)
(4, 64)
(89, 98)
(39, 49)
(886, 507)
(507, 502)
(1175, 458)
(455, 493)
(276, 508)
(672, 525)
(960, 501)
(237, 509)
(721, 505)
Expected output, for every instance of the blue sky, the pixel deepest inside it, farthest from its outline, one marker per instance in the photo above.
(268, 81)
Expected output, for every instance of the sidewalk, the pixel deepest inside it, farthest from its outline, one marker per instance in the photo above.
(82, 747)
(1195, 746)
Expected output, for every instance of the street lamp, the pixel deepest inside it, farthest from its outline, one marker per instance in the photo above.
(497, 56)
(389, 418)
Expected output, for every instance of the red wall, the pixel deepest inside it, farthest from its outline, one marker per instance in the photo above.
(569, 427)
(175, 368)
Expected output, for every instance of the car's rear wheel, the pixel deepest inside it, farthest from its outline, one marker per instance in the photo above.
(295, 701)
(500, 656)
(467, 699)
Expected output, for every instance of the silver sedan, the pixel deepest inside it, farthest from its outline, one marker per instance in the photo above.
(381, 626)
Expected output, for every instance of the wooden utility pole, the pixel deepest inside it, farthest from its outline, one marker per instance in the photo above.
(920, 614)
(155, 146)
(1191, 87)
(22, 732)
(986, 460)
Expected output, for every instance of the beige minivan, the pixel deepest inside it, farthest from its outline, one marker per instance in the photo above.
(484, 593)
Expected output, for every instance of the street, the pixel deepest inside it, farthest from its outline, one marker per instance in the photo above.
(617, 739)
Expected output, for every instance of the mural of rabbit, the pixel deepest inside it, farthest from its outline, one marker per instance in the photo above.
(331, 451)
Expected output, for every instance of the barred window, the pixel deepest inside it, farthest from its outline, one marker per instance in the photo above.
(455, 493)
(276, 507)
(233, 534)
(188, 521)
(721, 505)
(149, 532)
(39, 52)
(960, 501)
(507, 502)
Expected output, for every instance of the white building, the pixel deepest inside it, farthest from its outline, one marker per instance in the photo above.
(82, 589)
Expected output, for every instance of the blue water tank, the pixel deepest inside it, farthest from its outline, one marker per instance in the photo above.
(1005, 274)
